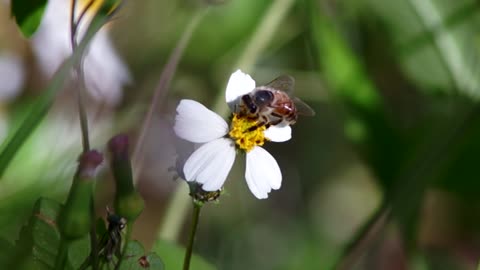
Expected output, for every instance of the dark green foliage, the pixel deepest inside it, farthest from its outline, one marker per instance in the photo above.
(28, 14)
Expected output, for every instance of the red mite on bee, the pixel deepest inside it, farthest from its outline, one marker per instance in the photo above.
(272, 105)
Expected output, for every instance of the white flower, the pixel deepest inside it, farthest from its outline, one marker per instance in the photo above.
(12, 76)
(105, 72)
(210, 164)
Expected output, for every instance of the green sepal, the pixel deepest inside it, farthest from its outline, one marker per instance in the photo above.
(128, 202)
(75, 218)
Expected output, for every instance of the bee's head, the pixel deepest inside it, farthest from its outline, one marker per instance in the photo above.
(249, 104)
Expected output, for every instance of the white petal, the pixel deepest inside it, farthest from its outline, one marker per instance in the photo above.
(105, 72)
(210, 164)
(195, 123)
(238, 85)
(262, 173)
(278, 134)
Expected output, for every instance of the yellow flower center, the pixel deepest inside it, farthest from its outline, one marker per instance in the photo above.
(246, 132)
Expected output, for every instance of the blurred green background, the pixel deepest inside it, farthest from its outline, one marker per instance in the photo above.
(385, 176)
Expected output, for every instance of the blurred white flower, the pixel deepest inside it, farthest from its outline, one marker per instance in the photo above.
(12, 76)
(105, 72)
(210, 164)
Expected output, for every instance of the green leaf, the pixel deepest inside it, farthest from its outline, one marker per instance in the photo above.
(173, 254)
(135, 258)
(435, 36)
(28, 14)
(39, 239)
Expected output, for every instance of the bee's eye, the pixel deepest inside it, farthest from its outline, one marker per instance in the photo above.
(263, 97)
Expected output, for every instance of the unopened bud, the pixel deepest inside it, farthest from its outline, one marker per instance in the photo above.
(88, 163)
(75, 217)
(128, 202)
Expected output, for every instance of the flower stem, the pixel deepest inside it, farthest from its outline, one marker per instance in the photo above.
(79, 77)
(188, 252)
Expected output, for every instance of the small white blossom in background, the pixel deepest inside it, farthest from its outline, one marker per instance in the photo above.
(211, 163)
(12, 76)
(105, 73)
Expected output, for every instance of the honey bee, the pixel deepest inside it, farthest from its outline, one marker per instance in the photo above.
(271, 104)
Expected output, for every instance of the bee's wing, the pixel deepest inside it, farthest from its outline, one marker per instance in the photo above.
(302, 107)
(283, 83)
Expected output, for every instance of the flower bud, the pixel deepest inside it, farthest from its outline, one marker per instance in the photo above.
(76, 216)
(128, 202)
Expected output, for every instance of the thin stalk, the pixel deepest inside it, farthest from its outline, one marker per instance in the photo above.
(93, 238)
(188, 251)
(79, 77)
(161, 89)
(82, 113)
(178, 205)
(73, 25)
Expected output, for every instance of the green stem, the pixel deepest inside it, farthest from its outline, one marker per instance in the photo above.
(188, 252)
(93, 238)
(62, 255)
(80, 78)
